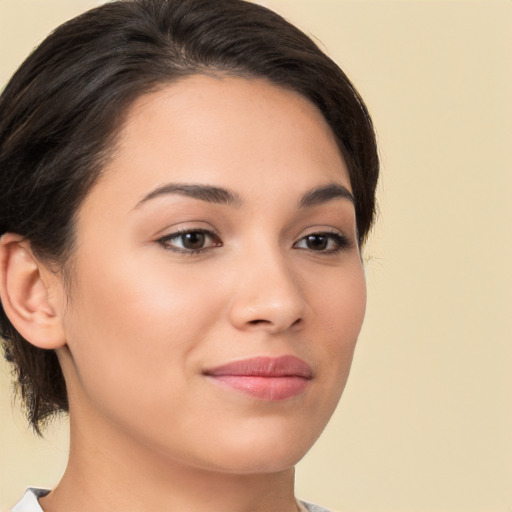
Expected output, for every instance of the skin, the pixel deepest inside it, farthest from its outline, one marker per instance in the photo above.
(143, 319)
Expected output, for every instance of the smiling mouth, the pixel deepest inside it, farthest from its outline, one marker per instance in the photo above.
(266, 378)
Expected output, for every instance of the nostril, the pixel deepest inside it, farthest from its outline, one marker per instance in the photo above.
(257, 322)
(262, 322)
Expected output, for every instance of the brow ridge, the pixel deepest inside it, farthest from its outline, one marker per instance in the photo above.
(325, 193)
(220, 195)
(208, 193)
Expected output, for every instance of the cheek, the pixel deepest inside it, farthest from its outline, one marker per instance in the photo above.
(131, 332)
(339, 311)
(135, 302)
(341, 304)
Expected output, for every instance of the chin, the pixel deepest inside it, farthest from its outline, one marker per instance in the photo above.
(268, 450)
(263, 462)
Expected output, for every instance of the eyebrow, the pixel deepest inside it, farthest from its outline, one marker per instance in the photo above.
(219, 195)
(206, 193)
(325, 193)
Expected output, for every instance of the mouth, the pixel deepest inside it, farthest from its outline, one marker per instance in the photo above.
(266, 378)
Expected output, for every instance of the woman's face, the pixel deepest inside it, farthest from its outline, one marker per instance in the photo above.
(217, 289)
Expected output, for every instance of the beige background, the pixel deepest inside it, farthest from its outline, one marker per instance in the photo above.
(426, 420)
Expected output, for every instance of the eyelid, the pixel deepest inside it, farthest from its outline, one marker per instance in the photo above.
(343, 242)
(177, 233)
(334, 235)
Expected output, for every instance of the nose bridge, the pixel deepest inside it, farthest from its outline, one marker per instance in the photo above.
(269, 295)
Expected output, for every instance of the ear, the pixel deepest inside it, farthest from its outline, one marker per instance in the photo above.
(28, 291)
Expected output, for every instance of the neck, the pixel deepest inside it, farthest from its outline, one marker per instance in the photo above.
(107, 471)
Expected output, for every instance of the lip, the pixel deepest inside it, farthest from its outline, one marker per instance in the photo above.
(266, 378)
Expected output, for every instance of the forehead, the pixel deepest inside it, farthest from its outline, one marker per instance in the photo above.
(233, 132)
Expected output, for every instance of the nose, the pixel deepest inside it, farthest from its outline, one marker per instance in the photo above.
(268, 296)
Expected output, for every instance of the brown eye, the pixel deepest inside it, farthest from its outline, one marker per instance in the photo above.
(193, 240)
(326, 243)
(316, 242)
(190, 242)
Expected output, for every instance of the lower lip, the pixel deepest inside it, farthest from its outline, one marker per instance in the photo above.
(271, 389)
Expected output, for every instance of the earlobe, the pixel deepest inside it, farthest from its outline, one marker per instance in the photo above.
(26, 294)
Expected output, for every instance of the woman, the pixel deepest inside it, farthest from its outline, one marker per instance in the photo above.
(186, 186)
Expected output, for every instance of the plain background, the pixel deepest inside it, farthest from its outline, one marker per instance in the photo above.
(426, 420)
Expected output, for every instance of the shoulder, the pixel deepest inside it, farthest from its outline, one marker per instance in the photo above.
(310, 507)
(29, 501)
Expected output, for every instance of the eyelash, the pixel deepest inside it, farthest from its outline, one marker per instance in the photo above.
(165, 241)
(341, 242)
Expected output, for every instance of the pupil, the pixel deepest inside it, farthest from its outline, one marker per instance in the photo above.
(316, 242)
(193, 240)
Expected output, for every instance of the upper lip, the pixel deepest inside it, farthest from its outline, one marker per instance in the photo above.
(283, 366)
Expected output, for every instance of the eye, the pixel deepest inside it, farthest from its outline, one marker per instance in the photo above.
(323, 242)
(190, 241)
